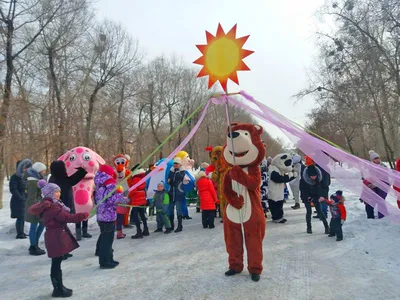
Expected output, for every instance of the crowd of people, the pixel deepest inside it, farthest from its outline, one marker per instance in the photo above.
(49, 204)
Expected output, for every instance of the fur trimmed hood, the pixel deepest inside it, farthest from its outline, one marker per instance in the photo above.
(307, 178)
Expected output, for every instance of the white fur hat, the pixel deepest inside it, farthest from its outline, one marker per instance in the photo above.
(39, 167)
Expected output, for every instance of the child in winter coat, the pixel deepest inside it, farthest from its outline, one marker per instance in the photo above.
(34, 174)
(106, 214)
(139, 201)
(161, 203)
(338, 212)
(58, 238)
(208, 199)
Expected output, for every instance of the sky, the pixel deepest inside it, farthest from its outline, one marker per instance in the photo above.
(281, 34)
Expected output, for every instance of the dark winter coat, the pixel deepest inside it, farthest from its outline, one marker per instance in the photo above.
(59, 176)
(325, 183)
(34, 194)
(18, 190)
(58, 238)
(313, 189)
(175, 180)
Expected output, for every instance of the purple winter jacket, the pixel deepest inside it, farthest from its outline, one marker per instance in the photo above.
(107, 210)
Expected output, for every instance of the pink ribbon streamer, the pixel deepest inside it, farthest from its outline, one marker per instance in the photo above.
(179, 148)
(322, 153)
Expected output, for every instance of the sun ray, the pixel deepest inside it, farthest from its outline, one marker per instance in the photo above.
(222, 57)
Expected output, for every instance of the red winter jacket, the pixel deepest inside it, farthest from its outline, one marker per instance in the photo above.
(58, 238)
(395, 187)
(138, 195)
(207, 194)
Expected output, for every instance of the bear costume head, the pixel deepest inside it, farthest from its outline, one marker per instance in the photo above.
(284, 162)
(249, 149)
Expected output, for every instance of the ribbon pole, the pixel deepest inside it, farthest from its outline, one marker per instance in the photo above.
(240, 211)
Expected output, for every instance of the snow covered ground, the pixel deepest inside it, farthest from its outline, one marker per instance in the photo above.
(191, 264)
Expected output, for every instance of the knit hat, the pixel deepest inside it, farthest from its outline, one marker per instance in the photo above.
(373, 155)
(338, 196)
(296, 159)
(48, 189)
(107, 169)
(312, 170)
(309, 161)
(177, 160)
(39, 167)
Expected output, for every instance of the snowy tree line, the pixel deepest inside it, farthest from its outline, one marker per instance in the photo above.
(356, 78)
(72, 80)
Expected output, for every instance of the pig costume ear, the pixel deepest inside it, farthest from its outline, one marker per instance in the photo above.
(99, 159)
(65, 156)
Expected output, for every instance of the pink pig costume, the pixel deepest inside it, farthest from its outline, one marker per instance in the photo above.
(83, 191)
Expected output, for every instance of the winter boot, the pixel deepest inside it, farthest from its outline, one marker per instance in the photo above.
(60, 291)
(66, 256)
(158, 230)
(188, 218)
(120, 235)
(167, 231)
(78, 234)
(21, 236)
(327, 230)
(255, 277)
(36, 251)
(197, 209)
(331, 235)
(283, 221)
(85, 234)
(138, 234)
(179, 228)
(231, 272)
(296, 206)
(309, 230)
(339, 239)
(146, 231)
(108, 265)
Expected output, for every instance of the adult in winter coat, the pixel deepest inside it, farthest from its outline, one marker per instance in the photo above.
(60, 177)
(295, 183)
(139, 201)
(375, 158)
(58, 238)
(208, 199)
(106, 214)
(34, 195)
(312, 191)
(18, 196)
(280, 172)
(176, 193)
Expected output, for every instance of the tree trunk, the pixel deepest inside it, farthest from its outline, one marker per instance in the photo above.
(6, 101)
(92, 99)
(61, 116)
(119, 121)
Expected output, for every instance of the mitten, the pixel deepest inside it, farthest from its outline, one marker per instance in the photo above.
(237, 202)
(295, 174)
(290, 174)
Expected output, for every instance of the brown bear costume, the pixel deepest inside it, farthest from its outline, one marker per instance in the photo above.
(242, 193)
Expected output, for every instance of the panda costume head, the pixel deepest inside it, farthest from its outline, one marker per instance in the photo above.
(284, 162)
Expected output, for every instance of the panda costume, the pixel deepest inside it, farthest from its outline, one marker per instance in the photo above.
(280, 172)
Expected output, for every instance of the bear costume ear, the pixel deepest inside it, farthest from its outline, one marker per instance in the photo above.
(259, 129)
(233, 124)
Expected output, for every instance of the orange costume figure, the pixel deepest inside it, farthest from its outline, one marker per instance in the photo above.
(220, 167)
(121, 163)
(242, 192)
